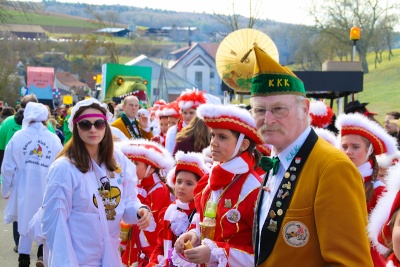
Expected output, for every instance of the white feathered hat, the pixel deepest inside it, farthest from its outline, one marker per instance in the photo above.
(358, 124)
(149, 152)
(191, 162)
(327, 135)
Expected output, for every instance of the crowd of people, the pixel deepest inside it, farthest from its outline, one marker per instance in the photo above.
(191, 183)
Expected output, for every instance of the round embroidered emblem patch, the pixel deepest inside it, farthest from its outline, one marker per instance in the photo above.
(295, 234)
(233, 216)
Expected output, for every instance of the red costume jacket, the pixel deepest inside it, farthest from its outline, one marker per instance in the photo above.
(177, 219)
(155, 194)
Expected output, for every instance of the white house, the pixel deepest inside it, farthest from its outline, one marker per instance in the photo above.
(196, 64)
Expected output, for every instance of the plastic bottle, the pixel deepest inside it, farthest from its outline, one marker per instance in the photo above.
(125, 228)
(208, 224)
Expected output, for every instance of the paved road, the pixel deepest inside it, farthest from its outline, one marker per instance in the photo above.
(8, 258)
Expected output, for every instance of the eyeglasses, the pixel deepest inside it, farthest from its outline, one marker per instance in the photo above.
(279, 111)
(86, 125)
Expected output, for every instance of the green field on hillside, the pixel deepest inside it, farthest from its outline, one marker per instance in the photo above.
(43, 19)
(382, 85)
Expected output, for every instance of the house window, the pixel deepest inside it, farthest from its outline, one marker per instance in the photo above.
(198, 63)
(198, 79)
(212, 74)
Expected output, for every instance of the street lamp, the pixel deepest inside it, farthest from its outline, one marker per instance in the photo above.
(354, 36)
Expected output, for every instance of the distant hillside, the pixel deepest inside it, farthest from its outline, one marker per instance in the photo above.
(382, 86)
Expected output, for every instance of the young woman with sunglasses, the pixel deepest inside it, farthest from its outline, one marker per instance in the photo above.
(91, 187)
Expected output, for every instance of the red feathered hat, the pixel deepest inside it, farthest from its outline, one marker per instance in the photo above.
(358, 124)
(149, 152)
(229, 117)
(191, 99)
(159, 103)
(321, 114)
(172, 110)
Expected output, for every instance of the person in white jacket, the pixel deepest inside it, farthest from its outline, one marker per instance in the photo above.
(91, 187)
(27, 159)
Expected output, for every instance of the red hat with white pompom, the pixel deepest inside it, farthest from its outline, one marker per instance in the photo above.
(159, 103)
(171, 110)
(379, 230)
(321, 114)
(358, 124)
(149, 152)
(229, 117)
(191, 162)
(191, 99)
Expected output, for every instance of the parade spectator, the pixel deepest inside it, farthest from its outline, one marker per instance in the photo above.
(6, 112)
(59, 133)
(193, 138)
(189, 168)
(313, 195)
(357, 107)
(8, 128)
(173, 113)
(392, 127)
(26, 162)
(152, 163)
(362, 140)
(188, 102)
(229, 192)
(383, 227)
(117, 111)
(128, 122)
(91, 187)
(163, 125)
(65, 126)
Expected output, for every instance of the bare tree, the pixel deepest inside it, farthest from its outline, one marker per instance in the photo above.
(336, 17)
(112, 17)
(234, 21)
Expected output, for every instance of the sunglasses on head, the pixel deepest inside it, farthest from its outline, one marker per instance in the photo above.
(86, 125)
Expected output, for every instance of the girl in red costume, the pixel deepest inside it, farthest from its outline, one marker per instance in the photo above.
(362, 139)
(152, 161)
(188, 102)
(163, 126)
(232, 186)
(189, 169)
(384, 221)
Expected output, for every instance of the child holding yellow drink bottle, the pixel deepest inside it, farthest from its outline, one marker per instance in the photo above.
(179, 216)
(225, 198)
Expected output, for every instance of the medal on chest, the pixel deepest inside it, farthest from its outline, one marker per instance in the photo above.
(110, 195)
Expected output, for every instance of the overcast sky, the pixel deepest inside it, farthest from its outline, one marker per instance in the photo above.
(289, 11)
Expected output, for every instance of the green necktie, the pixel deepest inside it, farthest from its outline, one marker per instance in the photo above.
(266, 163)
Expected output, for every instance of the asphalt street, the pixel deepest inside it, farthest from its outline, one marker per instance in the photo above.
(8, 258)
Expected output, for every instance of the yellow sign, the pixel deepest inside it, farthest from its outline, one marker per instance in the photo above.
(67, 100)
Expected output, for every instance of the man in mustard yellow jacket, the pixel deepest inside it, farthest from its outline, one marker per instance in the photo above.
(311, 210)
(128, 123)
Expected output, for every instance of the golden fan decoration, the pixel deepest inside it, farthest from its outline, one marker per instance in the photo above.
(235, 57)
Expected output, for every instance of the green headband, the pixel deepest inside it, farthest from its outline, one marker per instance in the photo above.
(276, 84)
